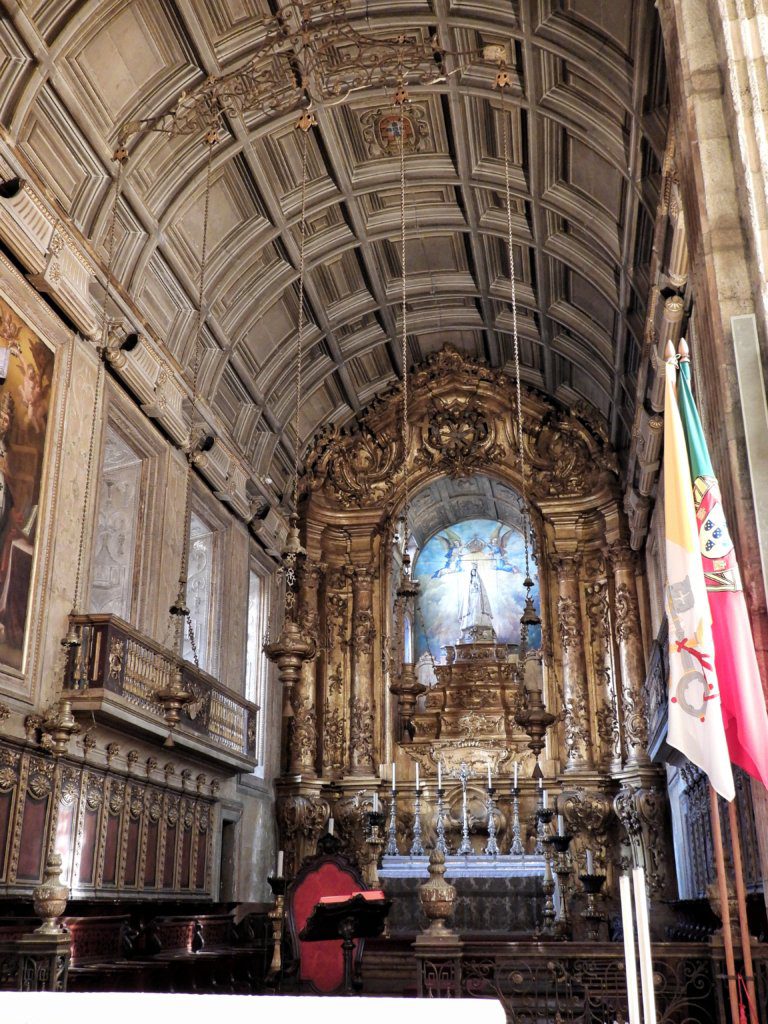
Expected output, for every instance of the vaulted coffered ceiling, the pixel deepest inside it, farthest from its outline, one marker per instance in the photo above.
(588, 127)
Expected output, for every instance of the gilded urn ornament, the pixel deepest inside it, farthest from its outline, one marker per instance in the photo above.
(50, 897)
(437, 897)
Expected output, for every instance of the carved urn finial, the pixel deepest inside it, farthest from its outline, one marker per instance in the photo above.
(437, 898)
(50, 897)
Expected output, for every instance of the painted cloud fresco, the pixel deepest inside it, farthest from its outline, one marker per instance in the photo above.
(443, 569)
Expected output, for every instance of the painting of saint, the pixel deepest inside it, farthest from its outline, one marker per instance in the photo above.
(26, 371)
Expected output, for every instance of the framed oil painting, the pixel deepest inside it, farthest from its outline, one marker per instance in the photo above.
(26, 372)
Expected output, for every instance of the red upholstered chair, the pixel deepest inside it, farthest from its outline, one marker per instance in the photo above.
(321, 964)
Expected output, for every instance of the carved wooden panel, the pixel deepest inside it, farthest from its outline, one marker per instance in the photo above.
(116, 835)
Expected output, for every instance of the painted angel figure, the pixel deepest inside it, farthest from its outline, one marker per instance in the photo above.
(453, 546)
(34, 388)
(498, 544)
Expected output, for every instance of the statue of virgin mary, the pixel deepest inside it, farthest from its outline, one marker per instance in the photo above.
(476, 619)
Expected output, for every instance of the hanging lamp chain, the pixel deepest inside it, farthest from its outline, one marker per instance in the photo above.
(502, 83)
(401, 98)
(179, 610)
(120, 156)
(304, 124)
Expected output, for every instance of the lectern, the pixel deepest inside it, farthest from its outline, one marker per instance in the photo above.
(360, 916)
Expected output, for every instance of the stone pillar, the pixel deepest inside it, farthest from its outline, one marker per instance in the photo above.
(607, 705)
(578, 743)
(303, 746)
(361, 707)
(631, 658)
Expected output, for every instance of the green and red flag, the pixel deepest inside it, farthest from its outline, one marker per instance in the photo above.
(738, 675)
(695, 721)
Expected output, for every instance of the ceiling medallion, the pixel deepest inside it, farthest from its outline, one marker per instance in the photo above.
(381, 130)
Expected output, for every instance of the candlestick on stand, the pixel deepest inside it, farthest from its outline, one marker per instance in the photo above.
(592, 914)
(417, 847)
(466, 846)
(441, 843)
(276, 915)
(391, 849)
(548, 888)
(562, 868)
(543, 817)
(374, 822)
(516, 849)
(492, 846)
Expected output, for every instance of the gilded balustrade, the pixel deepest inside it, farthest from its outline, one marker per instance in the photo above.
(116, 661)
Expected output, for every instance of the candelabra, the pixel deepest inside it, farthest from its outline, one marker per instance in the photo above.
(391, 850)
(562, 869)
(278, 885)
(374, 837)
(548, 888)
(417, 847)
(491, 847)
(592, 913)
(516, 849)
(466, 847)
(543, 817)
(441, 843)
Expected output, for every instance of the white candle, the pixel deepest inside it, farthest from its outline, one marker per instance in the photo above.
(644, 946)
(590, 863)
(331, 824)
(280, 856)
(544, 799)
(417, 775)
(516, 767)
(630, 965)
(560, 825)
(490, 783)
(541, 782)
(439, 774)
(394, 787)
(375, 802)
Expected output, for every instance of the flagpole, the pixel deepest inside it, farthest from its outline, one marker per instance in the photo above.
(741, 899)
(725, 913)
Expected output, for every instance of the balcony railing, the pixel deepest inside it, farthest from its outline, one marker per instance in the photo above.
(117, 672)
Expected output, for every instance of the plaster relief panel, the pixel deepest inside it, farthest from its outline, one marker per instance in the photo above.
(117, 527)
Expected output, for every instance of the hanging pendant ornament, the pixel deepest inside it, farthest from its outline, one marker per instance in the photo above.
(406, 687)
(530, 616)
(293, 646)
(174, 696)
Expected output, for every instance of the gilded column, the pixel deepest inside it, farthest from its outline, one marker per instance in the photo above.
(607, 704)
(361, 698)
(631, 657)
(303, 738)
(578, 743)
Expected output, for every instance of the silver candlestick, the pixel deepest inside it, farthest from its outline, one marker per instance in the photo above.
(441, 844)
(491, 847)
(391, 850)
(466, 847)
(543, 817)
(516, 849)
(417, 847)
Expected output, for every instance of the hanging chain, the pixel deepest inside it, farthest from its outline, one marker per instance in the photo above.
(306, 122)
(502, 81)
(401, 98)
(179, 610)
(120, 156)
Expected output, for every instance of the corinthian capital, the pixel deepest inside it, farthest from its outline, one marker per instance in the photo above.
(621, 556)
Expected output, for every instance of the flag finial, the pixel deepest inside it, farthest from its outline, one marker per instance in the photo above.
(684, 353)
(669, 351)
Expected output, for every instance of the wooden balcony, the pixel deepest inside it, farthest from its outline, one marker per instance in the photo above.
(116, 674)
